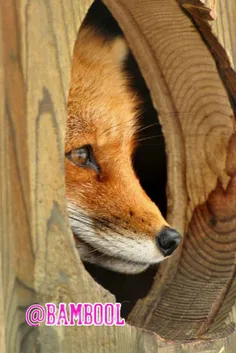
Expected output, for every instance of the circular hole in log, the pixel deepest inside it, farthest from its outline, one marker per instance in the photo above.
(194, 291)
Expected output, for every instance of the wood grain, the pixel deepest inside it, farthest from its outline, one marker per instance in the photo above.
(224, 26)
(38, 258)
(204, 9)
(2, 110)
(219, 36)
(17, 256)
(198, 124)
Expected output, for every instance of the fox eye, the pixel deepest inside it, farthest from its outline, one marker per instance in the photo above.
(80, 156)
(83, 157)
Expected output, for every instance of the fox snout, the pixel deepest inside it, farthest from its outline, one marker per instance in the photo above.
(115, 223)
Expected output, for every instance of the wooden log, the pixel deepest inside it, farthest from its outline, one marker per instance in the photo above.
(38, 258)
(198, 125)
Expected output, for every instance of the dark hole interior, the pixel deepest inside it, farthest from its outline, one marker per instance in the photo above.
(149, 162)
(150, 158)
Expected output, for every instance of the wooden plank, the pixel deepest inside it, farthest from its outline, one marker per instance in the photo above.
(17, 256)
(2, 110)
(2, 315)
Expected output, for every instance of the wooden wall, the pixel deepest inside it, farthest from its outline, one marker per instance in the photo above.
(38, 261)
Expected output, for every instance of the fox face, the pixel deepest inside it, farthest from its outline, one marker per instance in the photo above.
(114, 222)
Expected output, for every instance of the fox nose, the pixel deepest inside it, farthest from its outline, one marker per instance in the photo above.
(168, 240)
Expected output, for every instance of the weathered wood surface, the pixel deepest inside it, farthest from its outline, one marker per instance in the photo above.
(218, 35)
(194, 298)
(225, 27)
(36, 45)
(223, 12)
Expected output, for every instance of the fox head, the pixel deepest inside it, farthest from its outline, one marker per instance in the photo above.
(115, 223)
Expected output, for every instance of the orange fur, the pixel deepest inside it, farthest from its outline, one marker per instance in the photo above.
(102, 112)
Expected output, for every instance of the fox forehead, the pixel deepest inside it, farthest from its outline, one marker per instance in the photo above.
(102, 109)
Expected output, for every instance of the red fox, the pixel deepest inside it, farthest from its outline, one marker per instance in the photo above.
(115, 223)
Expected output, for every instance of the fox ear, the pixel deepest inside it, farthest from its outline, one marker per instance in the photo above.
(119, 50)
